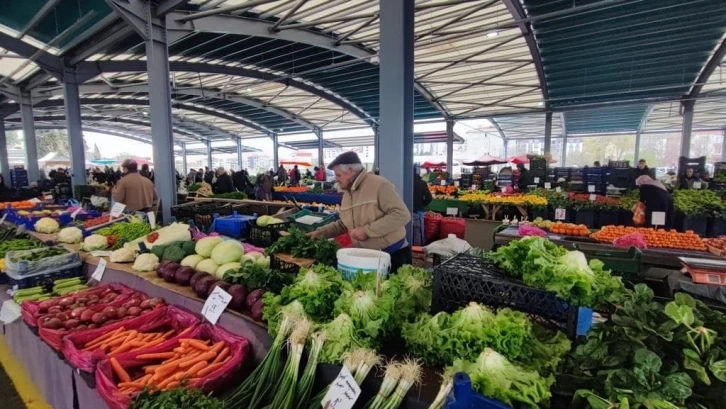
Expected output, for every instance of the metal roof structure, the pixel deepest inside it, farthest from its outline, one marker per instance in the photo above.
(368, 140)
(252, 68)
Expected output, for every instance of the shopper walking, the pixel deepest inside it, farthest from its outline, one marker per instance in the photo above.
(319, 174)
(263, 186)
(135, 191)
(372, 213)
(295, 176)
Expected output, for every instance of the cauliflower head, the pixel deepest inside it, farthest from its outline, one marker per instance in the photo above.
(47, 225)
(95, 242)
(123, 255)
(146, 262)
(70, 235)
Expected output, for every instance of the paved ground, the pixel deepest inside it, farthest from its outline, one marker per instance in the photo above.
(9, 398)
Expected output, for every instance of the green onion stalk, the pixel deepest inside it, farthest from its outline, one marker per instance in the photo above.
(410, 375)
(393, 374)
(285, 396)
(268, 369)
(447, 384)
(351, 361)
(305, 386)
(368, 360)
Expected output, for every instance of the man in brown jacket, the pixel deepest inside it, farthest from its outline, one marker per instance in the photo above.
(372, 213)
(134, 190)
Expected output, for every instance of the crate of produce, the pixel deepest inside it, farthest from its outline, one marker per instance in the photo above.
(619, 261)
(464, 397)
(619, 164)
(234, 225)
(25, 263)
(277, 263)
(465, 278)
(308, 221)
(264, 236)
(46, 279)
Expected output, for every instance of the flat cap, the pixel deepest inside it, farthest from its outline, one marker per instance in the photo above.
(345, 158)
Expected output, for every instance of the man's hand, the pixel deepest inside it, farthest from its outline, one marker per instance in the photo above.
(358, 234)
(314, 234)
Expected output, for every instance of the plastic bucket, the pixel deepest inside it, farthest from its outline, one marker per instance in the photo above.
(354, 260)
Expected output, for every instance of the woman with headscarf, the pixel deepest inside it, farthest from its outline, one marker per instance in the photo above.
(656, 199)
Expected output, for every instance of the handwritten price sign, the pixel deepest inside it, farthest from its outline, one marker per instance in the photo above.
(343, 393)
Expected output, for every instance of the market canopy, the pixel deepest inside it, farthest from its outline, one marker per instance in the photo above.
(54, 157)
(486, 160)
(429, 164)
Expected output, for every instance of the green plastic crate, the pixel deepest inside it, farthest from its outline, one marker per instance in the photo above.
(325, 219)
(623, 262)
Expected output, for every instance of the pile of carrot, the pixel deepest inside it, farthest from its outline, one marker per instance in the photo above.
(191, 360)
(122, 340)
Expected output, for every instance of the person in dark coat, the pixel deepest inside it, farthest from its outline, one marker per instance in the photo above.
(240, 180)
(199, 177)
(295, 176)
(421, 194)
(224, 182)
(524, 177)
(642, 169)
(208, 175)
(281, 175)
(656, 199)
(687, 180)
(145, 172)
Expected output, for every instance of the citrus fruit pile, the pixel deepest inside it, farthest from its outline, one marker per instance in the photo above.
(660, 238)
(569, 229)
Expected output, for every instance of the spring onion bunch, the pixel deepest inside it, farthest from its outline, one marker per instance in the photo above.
(394, 371)
(410, 375)
(268, 370)
(284, 397)
(447, 384)
(274, 311)
(305, 385)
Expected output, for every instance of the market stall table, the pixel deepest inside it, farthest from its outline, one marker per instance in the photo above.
(653, 256)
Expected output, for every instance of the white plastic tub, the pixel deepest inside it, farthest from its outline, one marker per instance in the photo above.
(354, 261)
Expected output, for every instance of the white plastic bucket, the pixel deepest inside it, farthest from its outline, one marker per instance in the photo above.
(354, 260)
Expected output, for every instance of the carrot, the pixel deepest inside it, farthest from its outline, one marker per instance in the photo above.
(209, 369)
(151, 369)
(196, 368)
(221, 355)
(154, 342)
(171, 385)
(123, 348)
(165, 382)
(198, 345)
(119, 371)
(108, 335)
(186, 331)
(203, 357)
(130, 385)
(165, 370)
(158, 355)
(217, 347)
(169, 334)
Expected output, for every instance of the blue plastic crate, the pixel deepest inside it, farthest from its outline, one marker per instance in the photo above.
(466, 398)
(234, 225)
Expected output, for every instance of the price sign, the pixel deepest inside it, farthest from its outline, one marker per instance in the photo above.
(101, 253)
(443, 183)
(100, 269)
(590, 188)
(452, 211)
(560, 214)
(215, 305)
(696, 185)
(593, 198)
(75, 214)
(343, 392)
(658, 219)
(117, 209)
(558, 189)
(548, 185)
(456, 183)
(536, 181)
(152, 219)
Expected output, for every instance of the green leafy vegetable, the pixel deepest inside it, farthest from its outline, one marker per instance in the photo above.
(298, 244)
(178, 398)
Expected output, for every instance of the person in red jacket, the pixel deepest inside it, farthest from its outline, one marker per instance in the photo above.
(319, 174)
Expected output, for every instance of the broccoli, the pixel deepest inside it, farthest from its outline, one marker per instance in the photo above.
(173, 253)
(188, 247)
(158, 250)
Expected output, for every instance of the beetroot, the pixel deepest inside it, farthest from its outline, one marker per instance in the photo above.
(198, 275)
(184, 275)
(253, 296)
(239, 294)
(221, 284)
(167, 268)
(168, 275)
(201, 287)
(256, 310)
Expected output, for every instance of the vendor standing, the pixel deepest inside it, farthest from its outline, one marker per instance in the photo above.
(656, 199)
(134, 190)
(372, 213)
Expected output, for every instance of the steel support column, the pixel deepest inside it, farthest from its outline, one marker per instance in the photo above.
(209, 154)
(74, 128)
(4, 163)
(548, 133)
(723, 147)
(185, 168)
(321, 147)
(396, 96)
(450, 146)
(376, 148)
(564, 150)
(31, 145)
(239, 154)
(275, 152)
(636, 155)
(687, 127)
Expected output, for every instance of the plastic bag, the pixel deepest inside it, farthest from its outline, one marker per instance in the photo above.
(28, 268)
(635, 239)
(447, 247)
(525, 230)
(31, 309)
(639, 214)
(159, 320)
(106, 384)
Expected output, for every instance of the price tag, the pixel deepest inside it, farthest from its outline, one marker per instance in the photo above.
(101, 253)
(456, 183)
(215, 305)
(560, 214)
(558, 189)
(443, 183)
(548, 185)
(117, 209)
(452, 211)
(152, 219)
(100, 269)
(593, 198)
(658, 219)
(343, 393)
(696, 185)
(75, 214)
(590, 188)
(536, 181)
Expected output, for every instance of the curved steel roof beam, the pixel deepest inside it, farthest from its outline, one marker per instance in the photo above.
(716, 60)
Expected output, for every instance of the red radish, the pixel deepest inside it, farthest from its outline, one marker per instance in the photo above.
(65, 302)
(109, 312)
(135, 311)
(98, 318)
(86, 315)
(121, 312)
(76, 313)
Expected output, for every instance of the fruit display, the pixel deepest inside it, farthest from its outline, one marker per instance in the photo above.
(717, 245)
(569, 229)
(542, 223)
(660, 238)
(502, 199)
(291, 189)
(24, 204)
(442, 190)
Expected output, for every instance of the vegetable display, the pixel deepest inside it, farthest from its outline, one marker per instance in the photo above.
(178, 398)
(120, 233)
(298, 244)
(697, 202)
(660, 238)
(502, 199)
(47, 225)
(70, 235)
(18, 244)
(146, 262)
(231, 195)
(122, 340)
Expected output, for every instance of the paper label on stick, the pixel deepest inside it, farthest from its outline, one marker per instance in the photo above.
(696, 185)
(3, 218)
(343, 393)
(117, 209)
(658, 219)
(548, 185)
(75, 214)
(474, 187)
(593, 198)
(560, 214)
(590, 188)
(452, 211)
(100, 269)
(536, 180)
(443, 183)
(152, 219)
(101, 253)
(558, 189)
(215, 305)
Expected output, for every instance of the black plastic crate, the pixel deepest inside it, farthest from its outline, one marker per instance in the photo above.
(265, 236)
(283, 266)
(619, 164)
(466, 278)
(45, 279)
